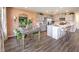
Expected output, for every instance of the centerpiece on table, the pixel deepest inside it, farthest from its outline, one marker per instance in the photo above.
(23, 23)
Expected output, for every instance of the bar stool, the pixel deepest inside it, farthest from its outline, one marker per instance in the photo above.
(68, 33)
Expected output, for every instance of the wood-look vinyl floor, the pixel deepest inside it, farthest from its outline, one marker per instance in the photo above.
(45, 44)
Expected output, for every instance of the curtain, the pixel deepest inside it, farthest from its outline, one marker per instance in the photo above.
(1, 33)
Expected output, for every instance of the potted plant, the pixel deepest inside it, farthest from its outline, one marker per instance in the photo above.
(18, 34)
(22, 21)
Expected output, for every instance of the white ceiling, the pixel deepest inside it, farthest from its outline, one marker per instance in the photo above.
(53, 10)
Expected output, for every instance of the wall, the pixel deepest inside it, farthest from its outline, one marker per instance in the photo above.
(11, 12)
(77, 20)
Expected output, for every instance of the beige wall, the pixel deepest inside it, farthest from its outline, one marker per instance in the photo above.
(77, 20)
(11, 12)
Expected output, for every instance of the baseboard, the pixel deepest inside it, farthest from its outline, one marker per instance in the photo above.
(11, 36)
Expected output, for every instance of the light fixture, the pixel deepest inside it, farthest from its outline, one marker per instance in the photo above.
(14, 17)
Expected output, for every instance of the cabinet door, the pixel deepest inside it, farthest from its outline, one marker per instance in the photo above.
(55, 32)
(49, 30)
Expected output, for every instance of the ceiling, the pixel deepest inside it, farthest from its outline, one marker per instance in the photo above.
(52, 10)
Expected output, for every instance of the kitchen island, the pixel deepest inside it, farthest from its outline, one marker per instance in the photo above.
(58, 30)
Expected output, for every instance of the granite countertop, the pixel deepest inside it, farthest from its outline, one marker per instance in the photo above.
(63, 24)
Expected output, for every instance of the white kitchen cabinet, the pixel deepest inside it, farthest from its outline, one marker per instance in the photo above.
(49, 29)
(55, 31)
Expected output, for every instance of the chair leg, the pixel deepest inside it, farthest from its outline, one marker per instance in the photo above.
(68, 35)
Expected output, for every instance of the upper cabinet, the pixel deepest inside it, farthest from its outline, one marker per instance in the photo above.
(64, 16)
